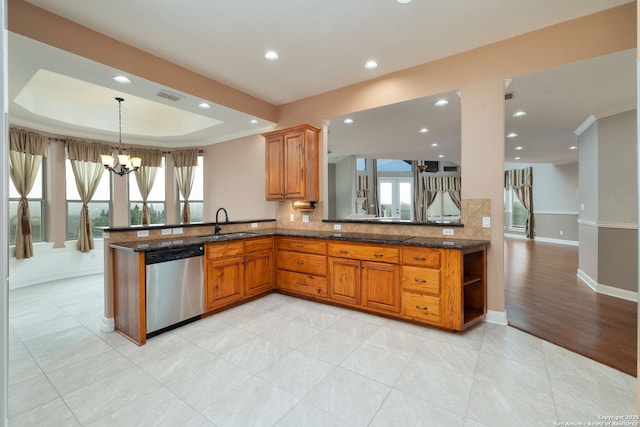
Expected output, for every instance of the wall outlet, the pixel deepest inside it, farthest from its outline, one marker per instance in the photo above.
(447, 231)
(292, 217)
(143, 233)
(177, 230)
(305, 218)
(486, 222)
(337, 226)
(254, 225)
(581, 206)
(166, 231)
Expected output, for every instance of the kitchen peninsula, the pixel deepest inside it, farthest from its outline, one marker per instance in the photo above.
(429, 281)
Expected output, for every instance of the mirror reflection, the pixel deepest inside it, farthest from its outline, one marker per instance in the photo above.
(396, 163)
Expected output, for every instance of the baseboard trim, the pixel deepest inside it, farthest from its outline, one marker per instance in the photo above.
(496, 317)
(543, 239)
(108, 324)
(605, 289)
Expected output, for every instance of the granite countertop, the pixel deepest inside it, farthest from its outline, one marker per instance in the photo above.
(389, 239)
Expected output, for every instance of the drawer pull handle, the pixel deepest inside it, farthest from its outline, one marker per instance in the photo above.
(299, 262)
(420, 280)
(422, 308)
(303, 284)
(300, 246)
(344, 252)
(378, 255)
(419, 258)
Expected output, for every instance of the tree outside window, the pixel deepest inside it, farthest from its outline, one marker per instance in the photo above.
(196, 197)
(155, 201)
(36, 209)
(99, 206)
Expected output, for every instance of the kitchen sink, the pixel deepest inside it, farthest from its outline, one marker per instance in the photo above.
(230, 236)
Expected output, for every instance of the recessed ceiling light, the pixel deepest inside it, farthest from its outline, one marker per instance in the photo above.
(122, 79)
(519, 113)
(517, 148)
(253, 121)
(435, 144)
(516, 158)
(204, 105)
(573, 147)
(272, 55)
(512, 135)
(404, 1)
(423, 130)
(347, 121)
(371, 65)
(442, 102)
(440, 155)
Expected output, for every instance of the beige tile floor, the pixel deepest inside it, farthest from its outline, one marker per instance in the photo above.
(289, 362)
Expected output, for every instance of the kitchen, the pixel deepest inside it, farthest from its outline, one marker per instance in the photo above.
(223, 171)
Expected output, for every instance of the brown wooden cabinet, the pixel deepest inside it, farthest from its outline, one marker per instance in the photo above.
(292, 164)
(358, 276)
(302, 266)
(421, 284)
(237, 269)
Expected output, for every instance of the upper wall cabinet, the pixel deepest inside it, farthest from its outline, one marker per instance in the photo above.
(292, 164)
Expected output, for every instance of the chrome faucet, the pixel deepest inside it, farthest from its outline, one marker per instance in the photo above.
(226, 220)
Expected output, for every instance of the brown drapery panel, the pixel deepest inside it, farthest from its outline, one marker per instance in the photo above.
(184, 164)
(146, 175)
(26, 150)
(521, 180)
(374, 189)
(87, 171)
(417, 211)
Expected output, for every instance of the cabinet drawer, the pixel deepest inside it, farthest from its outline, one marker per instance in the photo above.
(421, 280)
(302, 283)
(367, 253)
(421, 307)
(223, 250)
(302, 263)
(255, 245)
(302, 245)
(421, 257)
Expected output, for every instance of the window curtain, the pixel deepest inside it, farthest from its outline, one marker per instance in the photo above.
(435, 184)
(521, 180)
(146, 175)
(374, 190)
(417, 211)
(362, 192)
(87, 170)
(26, 150)
(184, 164)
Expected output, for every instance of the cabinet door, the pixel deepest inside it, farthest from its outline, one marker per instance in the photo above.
(381, 286)
(258, 270)
(224, 283)
(295, 166)
(274, 169)
(344, 280)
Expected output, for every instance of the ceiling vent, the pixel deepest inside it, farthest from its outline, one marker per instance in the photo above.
(508, 96)
(171, 96)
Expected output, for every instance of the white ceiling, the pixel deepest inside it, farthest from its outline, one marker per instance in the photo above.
(323, 45)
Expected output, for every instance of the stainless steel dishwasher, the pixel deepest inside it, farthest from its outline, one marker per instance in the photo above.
(174, 288)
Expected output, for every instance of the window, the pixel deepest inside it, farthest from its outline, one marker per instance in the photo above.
(443, 209)
(155, 201)
(197, 195)
(99, 206)
(36, 206)
(395, 198)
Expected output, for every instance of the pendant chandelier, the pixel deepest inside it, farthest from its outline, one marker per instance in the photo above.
(126, 164)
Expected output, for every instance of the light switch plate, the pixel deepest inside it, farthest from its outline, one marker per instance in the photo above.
(292, 217)
(337, 226)
(447, 231)
(486, 222)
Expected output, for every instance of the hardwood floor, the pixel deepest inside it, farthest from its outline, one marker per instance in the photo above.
(544, 297)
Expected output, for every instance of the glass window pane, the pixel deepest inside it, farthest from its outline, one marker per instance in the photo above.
(406, 197)
(157, 190)
(449, 209)
(518, 212)
(197, 211)
(99, 215)
(361, 164)
(394, 165)
(156, 210)
(386, 198)
(103, 192)
(434, 212)
(35, 211)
